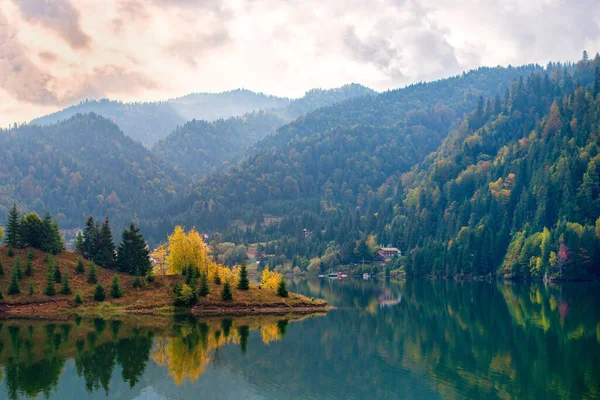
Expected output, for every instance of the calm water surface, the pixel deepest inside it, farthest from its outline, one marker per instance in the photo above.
(414, 339)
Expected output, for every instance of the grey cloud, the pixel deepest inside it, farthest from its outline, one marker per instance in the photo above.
(190, 49)
(57, 15)
(374, 49)
(47, 56)
(18, 75)
(26, 82)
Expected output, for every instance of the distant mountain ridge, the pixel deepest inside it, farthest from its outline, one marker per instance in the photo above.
(79, 167)
(148, 122)
(200, 147)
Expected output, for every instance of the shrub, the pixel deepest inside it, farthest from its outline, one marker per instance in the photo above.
(92, 277)
(281, 289)
(137, 282)
(226, 294)
(80, 268)
(99, 294)
(115, 288)
(184, 295)
(150, 275)
(1, 267)
(243, 283)
(203, 291)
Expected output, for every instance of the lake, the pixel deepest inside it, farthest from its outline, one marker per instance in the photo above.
(414, 339)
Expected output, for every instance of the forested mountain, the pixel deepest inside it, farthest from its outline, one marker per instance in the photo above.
(494, 172)
(148, 122)
(515, 190)
(200, 147)
(79, 167)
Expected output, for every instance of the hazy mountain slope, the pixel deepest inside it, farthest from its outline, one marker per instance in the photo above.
(199, 147)
(151, 121)
(84, 165)
(425, 111)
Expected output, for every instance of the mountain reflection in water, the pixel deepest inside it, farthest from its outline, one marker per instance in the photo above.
(385, 339)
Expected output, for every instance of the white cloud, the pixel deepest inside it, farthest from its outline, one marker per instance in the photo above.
(65, 50)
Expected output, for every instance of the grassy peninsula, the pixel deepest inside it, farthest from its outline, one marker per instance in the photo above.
(155, 297)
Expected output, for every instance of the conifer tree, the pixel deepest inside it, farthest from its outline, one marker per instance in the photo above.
(66, 287)
(12, 228)
(1, 268)
(78, 299)
(105, 248)
(50, 290)
(150, 275)
(51, 240)
(11, 252)
(203, 291)
(137, 281)
(282, 289)
(90, 238)
(91, 276)
(17, 268)
(1, 296)
(57, 274)
(13, 287)
(31, 288)
(226, 294)
(80, 268)
(217, 279)
(99, 294)
(30, 255)
(243, 283)
(115, 288)
(79, 249)
(28, 267)
(133, 255)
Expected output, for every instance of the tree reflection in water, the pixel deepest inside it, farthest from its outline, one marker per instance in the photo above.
(33, 353)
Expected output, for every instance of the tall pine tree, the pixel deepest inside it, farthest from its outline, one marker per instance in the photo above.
(90, 238)
(133, 257)
(105, 248)
(12, 228)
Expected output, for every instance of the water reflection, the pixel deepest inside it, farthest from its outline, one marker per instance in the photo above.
(415, 339)
(34, 352)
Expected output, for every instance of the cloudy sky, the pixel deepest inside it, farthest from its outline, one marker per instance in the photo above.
(54, 53)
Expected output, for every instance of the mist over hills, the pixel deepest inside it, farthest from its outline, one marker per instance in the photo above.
(149, 122)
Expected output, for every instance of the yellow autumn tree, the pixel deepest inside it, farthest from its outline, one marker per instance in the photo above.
(270, 279)
(186, 249)
(159, 255)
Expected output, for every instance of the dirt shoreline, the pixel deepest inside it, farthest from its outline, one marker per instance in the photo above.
(62, 307)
